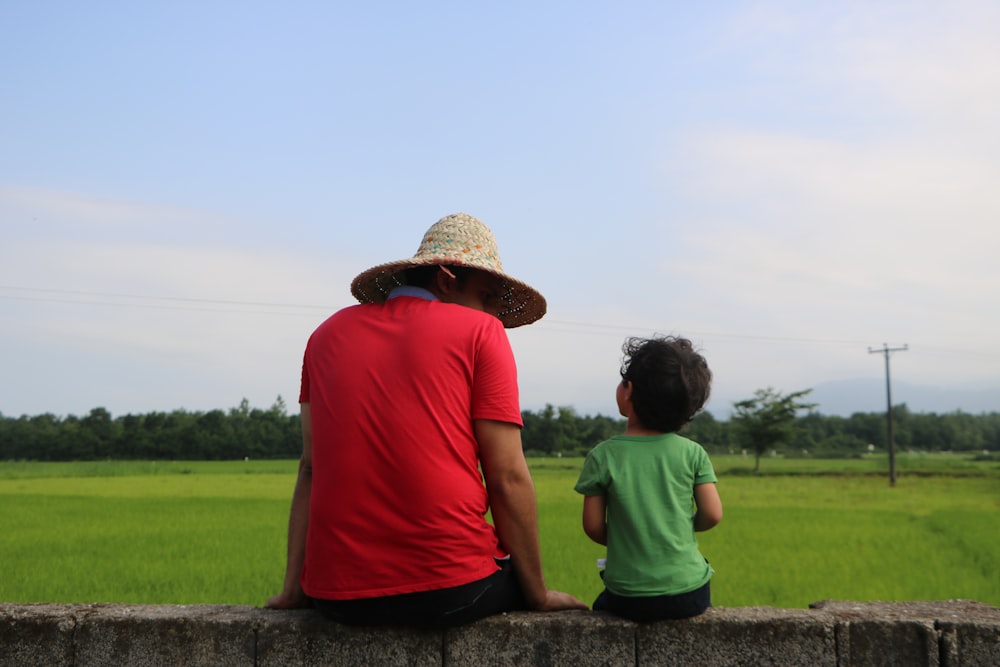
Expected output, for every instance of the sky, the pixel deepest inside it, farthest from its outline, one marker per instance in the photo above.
(188, 188)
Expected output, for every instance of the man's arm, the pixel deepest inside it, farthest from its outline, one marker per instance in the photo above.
(512, 503)
(292, 595)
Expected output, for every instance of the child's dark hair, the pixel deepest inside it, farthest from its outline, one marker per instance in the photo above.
(670, 381)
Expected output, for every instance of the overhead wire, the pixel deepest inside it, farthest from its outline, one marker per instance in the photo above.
(198, 304)
(81, 297)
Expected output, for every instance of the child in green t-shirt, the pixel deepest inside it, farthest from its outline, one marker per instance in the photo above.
(648, 491)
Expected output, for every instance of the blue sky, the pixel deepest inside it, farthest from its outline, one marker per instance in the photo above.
(187, 189)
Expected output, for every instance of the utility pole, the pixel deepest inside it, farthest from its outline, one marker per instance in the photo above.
(888, 415)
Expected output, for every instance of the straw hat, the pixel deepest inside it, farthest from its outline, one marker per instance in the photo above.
(458, 240)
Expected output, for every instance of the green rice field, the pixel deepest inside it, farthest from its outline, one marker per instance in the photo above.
(214, 532)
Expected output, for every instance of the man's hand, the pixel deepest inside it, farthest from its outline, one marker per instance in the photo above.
(283, 600)
(557, 601)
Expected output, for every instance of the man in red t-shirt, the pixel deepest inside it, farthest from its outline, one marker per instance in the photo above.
(404, 398)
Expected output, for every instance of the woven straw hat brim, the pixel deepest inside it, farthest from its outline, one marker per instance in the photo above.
(521, 304)
(458, 239)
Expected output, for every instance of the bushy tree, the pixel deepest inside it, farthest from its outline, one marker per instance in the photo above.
(768, 419)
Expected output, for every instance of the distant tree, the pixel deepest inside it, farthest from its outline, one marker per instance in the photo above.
(272, 433)
(279, 408)
(708, 432)
(561, 431)
(596, 429)
(543, 430)
(97, 434)
(215, 437)
(869, 427)
(768, 419)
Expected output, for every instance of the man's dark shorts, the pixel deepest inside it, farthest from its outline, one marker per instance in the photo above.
(444, 608)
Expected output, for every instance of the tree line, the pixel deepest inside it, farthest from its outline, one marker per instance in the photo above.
(245, 432)
(242, 432)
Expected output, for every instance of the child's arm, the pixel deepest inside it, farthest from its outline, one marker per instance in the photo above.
(595, 522)
(709, 512)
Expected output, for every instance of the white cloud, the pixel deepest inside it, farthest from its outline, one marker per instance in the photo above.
(937, 58)
(872, 256)
(872, 220)
(153, 324)
(886, 208)
(79, 212)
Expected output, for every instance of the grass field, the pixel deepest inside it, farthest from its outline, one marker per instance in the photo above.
(214, 532)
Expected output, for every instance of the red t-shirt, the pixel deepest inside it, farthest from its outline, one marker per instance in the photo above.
(398, 503)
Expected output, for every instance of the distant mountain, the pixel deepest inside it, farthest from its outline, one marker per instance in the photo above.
(845, 397)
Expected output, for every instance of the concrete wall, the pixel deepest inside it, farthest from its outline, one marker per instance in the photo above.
(838, 634)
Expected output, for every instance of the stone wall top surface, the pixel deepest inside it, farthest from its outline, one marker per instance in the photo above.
(831, 632)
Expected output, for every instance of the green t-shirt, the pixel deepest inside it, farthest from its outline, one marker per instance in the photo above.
(648, 483)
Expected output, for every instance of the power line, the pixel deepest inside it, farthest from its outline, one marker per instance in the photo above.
(145, 297)
(87, 297)
(163, 301)
(629, 329)
(149, 306)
